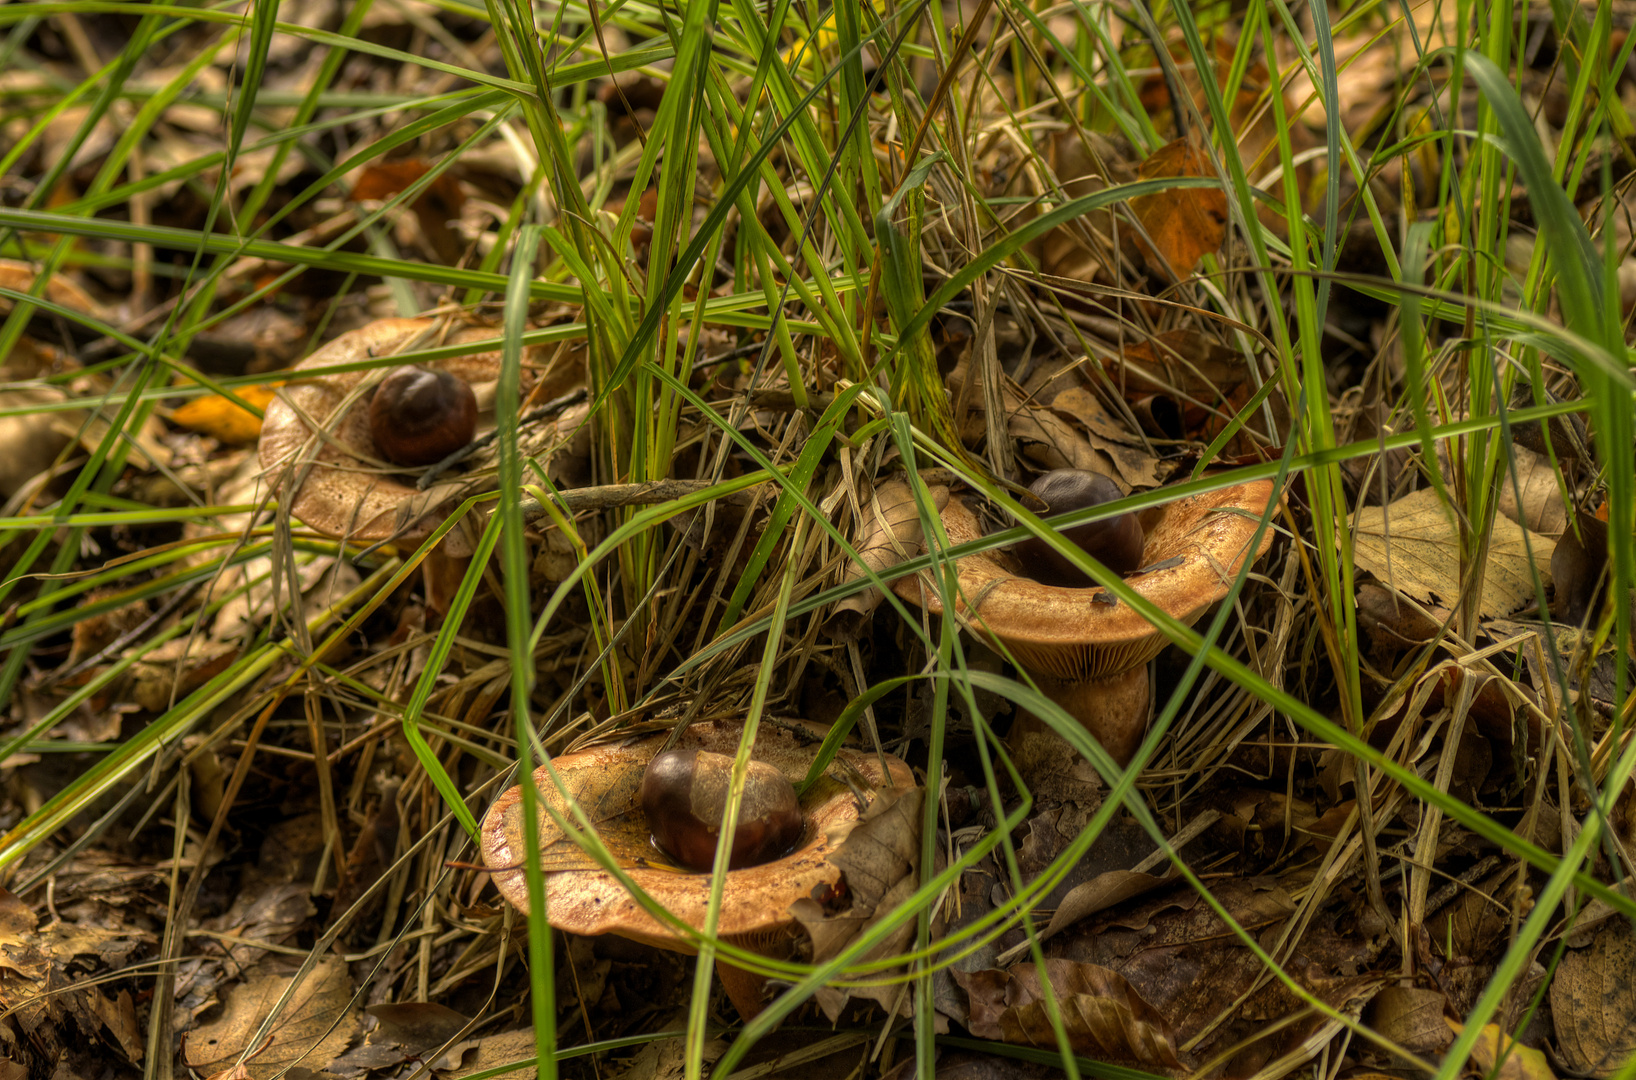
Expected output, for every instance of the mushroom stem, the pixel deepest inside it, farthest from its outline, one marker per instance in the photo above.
(744, 989)
(1114, 710)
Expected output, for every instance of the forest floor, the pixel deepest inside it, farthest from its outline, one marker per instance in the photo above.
(1308, 751)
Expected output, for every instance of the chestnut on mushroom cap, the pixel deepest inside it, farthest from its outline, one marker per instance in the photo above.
(419, 416)
(684, 795)
(1088, 653)
(582, 898)
(323, 478)
(1115, 542)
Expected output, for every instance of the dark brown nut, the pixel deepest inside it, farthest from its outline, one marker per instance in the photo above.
(1114, 542)
(684, 794)
(419, 416)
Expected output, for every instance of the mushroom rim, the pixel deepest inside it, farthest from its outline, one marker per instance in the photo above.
(1014, 608)
(597, 901)
(315, 437)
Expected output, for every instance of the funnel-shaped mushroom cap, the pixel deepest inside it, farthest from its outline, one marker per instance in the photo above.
(581, 898)
(1196, 546)
(336, 492)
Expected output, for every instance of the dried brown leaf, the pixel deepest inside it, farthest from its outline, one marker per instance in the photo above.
(1411, 1017)
(1183, 224)
(310, 1029)
(1102, 1013)
(879, 857)
(1100, 893)
(1593, 1003)
(888, 535)
(1414, 545)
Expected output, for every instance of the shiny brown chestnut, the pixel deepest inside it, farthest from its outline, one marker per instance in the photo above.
(684, 794)
(420, 416)
(1114, 542)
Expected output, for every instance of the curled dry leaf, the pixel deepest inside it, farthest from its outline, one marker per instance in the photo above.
(1098, 894)
(1414, 545)
(1102, 1014)
(1064, 427)
(888, 534)
(1540, 507)
(879, 856)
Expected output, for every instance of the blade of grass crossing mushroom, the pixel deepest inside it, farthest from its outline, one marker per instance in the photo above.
(514, 575)
(698, 1013)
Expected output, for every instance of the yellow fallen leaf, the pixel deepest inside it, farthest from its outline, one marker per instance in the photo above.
(1521, 1062)
(225, 420)
(1414, 546)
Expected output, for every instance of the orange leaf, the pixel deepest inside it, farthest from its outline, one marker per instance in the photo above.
(383, 180)
(1184, 224)
(224, 420)
(442, 198)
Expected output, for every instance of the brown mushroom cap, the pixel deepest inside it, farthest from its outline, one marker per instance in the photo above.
(604, 780)
(1196, 546)
(341, 494)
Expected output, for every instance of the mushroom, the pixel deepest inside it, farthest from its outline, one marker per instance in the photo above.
(318, 446)
(1088, 652)
(583, 898)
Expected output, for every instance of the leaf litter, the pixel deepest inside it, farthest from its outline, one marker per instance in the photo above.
(282, 850)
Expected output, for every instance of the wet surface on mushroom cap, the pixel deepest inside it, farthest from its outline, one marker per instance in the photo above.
(1115, 542)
